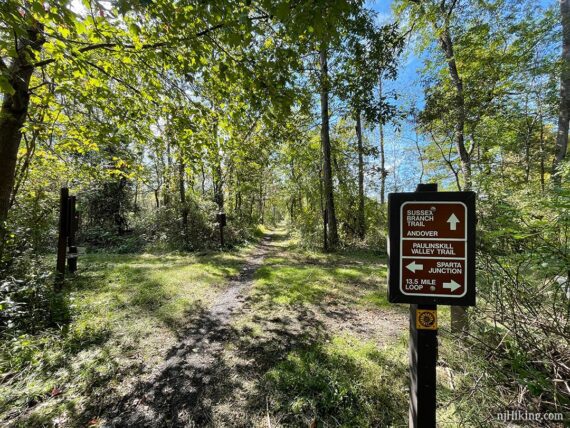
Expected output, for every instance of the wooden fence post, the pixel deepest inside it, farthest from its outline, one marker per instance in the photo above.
(62, 239)
(72, 227)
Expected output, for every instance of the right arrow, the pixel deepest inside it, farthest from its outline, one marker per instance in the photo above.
(453, 220)
(414, 267)
(451, 285)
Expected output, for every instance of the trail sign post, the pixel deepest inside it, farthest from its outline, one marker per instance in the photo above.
(431, 252)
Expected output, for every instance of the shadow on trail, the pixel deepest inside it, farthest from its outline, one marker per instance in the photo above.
(265, 357)
(198, 374)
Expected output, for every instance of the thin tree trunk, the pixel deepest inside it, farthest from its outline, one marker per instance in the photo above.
(459, 320)
(383, 173)
(136, 208)
(13, 114)
(527, 144)
(168, 176)
(217, 173)
(218, 186)
(261, 207)
(183, 202)
(542, 166)
(203, 180)
(325, 139)
(564, 109)
(323, 210)
(459, 108)
(361, 216)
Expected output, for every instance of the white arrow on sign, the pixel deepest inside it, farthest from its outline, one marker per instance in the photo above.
(451, 285)
(453, 220)
(414, 267)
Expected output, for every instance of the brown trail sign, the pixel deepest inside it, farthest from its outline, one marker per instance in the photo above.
(432, 248)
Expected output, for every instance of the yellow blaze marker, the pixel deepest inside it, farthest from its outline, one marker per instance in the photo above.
(426, 319)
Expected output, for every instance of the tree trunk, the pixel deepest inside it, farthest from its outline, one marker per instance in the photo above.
(261, 202)
(167, 176)
(542, 156)
(325, 139)
(459, 320)
(361, 217)
(564, 109)
(218, 186)
(459, 108)
(383, 173)
(13, 115)
(203, 180)
(217, 173)
(183, 202)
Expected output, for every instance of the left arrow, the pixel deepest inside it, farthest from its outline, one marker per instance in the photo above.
(414, 267)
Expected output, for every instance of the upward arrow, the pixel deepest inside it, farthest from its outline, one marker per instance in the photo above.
(453, 220)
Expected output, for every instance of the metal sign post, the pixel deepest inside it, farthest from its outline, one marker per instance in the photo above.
(431, 254)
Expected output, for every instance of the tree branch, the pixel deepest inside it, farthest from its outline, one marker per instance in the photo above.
(123, 46)
(144, 46)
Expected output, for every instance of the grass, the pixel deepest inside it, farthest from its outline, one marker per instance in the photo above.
(298, 276)
(342, 382)
(125, 312)
(320, 371)
(312, 337)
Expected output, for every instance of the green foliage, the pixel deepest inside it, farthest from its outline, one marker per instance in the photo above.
(27, 300)
(121, 309)
(160, 114)
(306, 277)
(342, 383)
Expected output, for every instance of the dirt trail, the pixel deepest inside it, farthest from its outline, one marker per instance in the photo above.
(232, 298)
(214, 376)
(177, 393)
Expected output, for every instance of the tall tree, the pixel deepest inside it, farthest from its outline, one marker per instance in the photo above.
(382, 152)
(361, 231)
(371, 51)
(15, 81)
(564, 109)
(330, 213)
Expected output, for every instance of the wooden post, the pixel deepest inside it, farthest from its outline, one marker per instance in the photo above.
(62, 239)
(423, 360)
(72, 227)
(221, 217)
(325, 231)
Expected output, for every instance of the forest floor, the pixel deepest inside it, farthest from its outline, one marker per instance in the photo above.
(269, 335)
